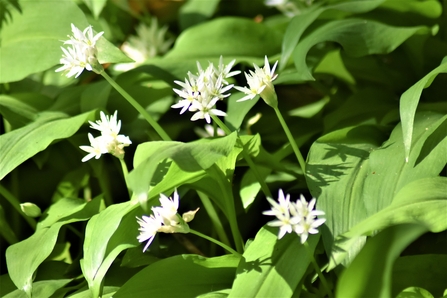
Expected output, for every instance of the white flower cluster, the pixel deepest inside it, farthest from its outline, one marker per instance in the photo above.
(260, 83)
(164, 219)
(149, 42)
(82, 52)
(202, 91)
(110, 141)
(298, 217)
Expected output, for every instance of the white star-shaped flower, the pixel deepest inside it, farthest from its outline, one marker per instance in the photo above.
(149, 226)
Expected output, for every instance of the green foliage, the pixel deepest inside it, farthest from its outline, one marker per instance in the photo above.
(361, 85)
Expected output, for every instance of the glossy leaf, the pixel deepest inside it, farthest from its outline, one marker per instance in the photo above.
(44, 288)
(35, 35)
(272, 267)
(23, 143)
(378, 256)
(409, 102)
(227, 36)
(189, 157)
(301, 22)
(189, 275)
(358, 37)
(423, 202)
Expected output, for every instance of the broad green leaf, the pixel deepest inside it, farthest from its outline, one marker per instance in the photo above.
(371, 271)
(194, 12)
(337, 165)
(44, 288)
(358, 37)
(24, 257)
(409, 102)
(184, 275)
(227, 36)
(21, 144)
(100, 228)
(237, 111)
(423, 202)
(388, 172)
(190, 157)
(95, 96)
(272, 267)
(31, 41)
(95, 6)
(407, 272)
(427, 8)
(20, 109)
(301, 22)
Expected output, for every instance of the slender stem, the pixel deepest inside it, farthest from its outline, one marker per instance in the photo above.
(16, 204)
(214, 217)
(317, 268)
(292, 142)
(247, 158)
(125, 173)
(224, 246)
(138, 107)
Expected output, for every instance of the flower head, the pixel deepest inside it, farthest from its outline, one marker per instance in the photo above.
(110, 141)
(260, 83)
(81, 54)
(200, 92)
(149, 42)
(296, 217)
(165, 219)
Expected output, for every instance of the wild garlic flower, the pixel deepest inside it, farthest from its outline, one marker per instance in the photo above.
(260, 83)
(201, 92)
(110, 141)
(296, 217)
(81, 54)
(164, 219)
(149, 42)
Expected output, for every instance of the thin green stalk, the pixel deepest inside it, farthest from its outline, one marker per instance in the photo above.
(317, 268)
(125, 173)
(292, 142)
(247, 158)
(16, 204)
(206, 202)
(138, 107)
(224, 246)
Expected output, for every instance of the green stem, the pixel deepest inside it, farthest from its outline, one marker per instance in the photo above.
(125, 173)
(247, 158)
(138, 107)
(16, 204)
(292, 142)
(224, 246)
(206, 202)
(317, 268)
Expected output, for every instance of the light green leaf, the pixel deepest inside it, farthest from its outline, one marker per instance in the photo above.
(358, 37)
(95, 6)
(100, 228)
(423, 202)
(189, 275)
(31, 41)
(378, 256)
(409, 102)
(336, 170)
(19, 145)
(272, 267)
(227, 36)
(24, 257)
(44, 288)
(190, 157)
(301, 22)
